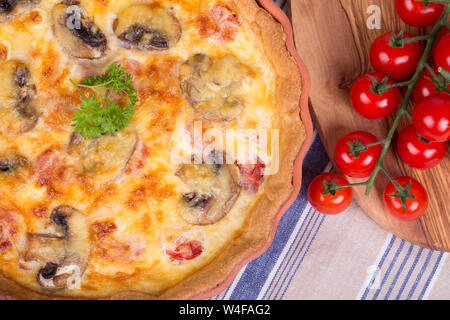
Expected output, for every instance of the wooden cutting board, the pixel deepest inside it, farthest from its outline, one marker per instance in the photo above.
(334, 40)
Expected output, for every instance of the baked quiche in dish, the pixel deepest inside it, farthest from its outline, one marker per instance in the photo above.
(146, 146)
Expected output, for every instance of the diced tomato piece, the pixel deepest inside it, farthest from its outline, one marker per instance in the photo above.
(7, 230)
(186, 251)
(5, 245)
(50, 167)
(221, 22)
(252, 175)
(123, 251)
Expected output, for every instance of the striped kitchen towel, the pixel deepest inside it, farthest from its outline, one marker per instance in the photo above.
(347, 256)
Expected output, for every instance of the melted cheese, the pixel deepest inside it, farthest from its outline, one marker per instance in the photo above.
(141, 200)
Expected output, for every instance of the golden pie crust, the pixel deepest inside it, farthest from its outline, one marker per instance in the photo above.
(260, 222)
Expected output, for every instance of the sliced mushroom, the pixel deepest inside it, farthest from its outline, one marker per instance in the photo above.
(18, 102)
(7, 6)
(76, 229)
(103, 159)
(13, 165)
(76, 32)
(212, 86)
(212, 190)
(64, 253)
(15, 170)
(147, 28)
(45, 247)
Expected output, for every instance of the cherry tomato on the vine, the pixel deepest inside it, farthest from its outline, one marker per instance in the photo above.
(370, 104)
(415, 195)
(431, 117)
(444, 31)
(415, 14)
(442, 53)
(359, 164)
(425, 87)
(329, 203)
(399, 62)
(417, 152)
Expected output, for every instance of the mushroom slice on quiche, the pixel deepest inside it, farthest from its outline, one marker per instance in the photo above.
(147, 28)
(14, 168)
(212, 86)
(18, 111)
(211, 189)
(77, 32)
(64, 253)
(103, 159)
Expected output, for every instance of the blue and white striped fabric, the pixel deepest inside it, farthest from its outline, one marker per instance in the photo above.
(314, 256)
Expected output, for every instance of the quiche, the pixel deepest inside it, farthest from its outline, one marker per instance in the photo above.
(158, 198)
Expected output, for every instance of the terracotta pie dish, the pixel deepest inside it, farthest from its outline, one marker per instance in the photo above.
(281, 17)
(116, 210)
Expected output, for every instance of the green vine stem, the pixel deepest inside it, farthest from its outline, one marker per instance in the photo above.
(415, 39)
(434, 1)
(403, 108)
(380, 87)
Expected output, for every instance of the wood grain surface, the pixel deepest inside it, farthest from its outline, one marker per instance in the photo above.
(334, 41)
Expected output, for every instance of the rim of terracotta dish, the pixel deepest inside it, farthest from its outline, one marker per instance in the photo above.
(279, 15)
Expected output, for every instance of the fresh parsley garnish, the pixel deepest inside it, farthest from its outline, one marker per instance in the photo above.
(96, 118)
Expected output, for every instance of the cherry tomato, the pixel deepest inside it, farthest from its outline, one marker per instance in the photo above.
(357, 165)
(444, 31)
(431, 117)
(415, 14)
(371, 105)
(442, 53)
(414, 208)
(416, 152)
(424, 87)
(186, 251)
(328, 203)
(398, 62)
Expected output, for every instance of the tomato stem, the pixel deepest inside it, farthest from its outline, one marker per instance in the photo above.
(444, 73)
(403, 108)
(441, 80)
(409, 113)
(375, 143)
(395, 183)
(399, 40)
(403, 193)
(356, 147)
(415, 39)
(422, 138)
(430, 69)
(382, 86)
(332, 187)
(400, 84)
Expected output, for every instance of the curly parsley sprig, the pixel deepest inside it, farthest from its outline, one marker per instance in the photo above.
(96, 118)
